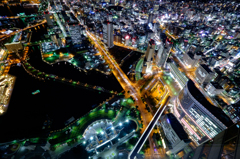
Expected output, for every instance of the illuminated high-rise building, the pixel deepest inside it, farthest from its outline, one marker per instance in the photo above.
(156, 7)
(201, 120)
(108, 34)
(179, 76)
(14, 46)
(110, 17)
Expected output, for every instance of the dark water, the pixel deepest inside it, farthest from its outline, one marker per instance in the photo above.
(38, 34)
(70, 72)
(14, 10)
(27, 112)
(119, 53)
(130, 61)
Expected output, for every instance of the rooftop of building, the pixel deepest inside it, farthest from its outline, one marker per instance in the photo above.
(206, 68)
(190, 54)
(217, 70)
(216, 85)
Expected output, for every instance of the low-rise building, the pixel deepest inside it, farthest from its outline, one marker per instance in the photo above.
(190, 59)
(204, 74)
(214, 88)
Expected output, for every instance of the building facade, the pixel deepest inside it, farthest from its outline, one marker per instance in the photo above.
(160, 52)
(14, 46)
(201, 120)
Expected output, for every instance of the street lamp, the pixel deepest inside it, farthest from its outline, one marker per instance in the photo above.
(91, 138)
(127, 120)
(120, 124)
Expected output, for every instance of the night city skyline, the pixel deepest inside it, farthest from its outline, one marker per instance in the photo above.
(119, 79)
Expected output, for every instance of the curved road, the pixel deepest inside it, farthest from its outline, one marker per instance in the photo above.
(29, 27)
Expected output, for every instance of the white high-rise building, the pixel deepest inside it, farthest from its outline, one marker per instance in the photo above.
(108, 34)
(159, 53)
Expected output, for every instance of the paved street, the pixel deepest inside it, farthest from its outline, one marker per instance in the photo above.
(18, 31)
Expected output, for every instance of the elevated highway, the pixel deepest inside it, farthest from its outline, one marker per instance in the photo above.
(147, 131)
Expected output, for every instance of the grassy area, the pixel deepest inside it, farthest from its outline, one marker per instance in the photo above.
(138, 69)
(34, 140)
(51, 59)
(127, 102)
(76, 130)
(49, 53)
